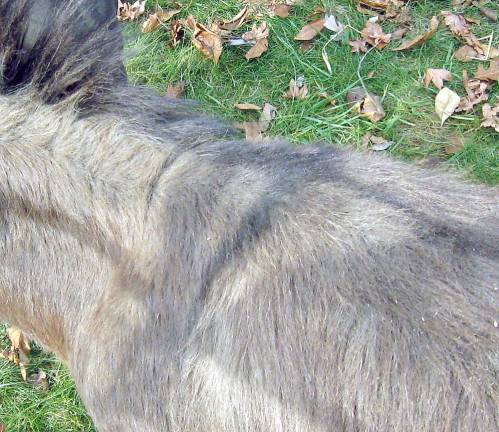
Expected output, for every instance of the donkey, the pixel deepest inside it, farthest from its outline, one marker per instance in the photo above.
(193, 281)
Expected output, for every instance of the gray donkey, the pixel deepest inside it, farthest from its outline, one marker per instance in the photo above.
(194, 282)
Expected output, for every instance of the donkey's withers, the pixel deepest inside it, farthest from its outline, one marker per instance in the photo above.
(194, 282)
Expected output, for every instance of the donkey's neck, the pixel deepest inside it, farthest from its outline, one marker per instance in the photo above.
(64, 205)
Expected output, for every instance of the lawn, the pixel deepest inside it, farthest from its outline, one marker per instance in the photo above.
(410, 122)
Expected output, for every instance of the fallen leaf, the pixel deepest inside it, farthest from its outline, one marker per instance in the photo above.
(297, 89)
(331, 23)
(399, 33)
(248, 107)
(176, 32)
(176, 90)
(130, 12)
(254, 130)
(261, 46)
(257, 32)
(358, 46)
(373, 34)
(460, 28)
(372, 108)
(155, 20)
(235, 22)
(421, 39)
(437, 77)
(208, 42)
(310, 31)
(476, 90)
(489, 13)
(368, 105)
(376, 143)
(282, 10)
(38, 380)
(490, 116)
(466, 54)
(491, 74)
(306, 46)
(455, 146)
(446, 103)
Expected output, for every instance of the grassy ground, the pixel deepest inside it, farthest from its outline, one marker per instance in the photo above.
(410, 123)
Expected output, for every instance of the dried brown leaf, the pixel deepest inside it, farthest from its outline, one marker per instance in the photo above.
(373, 34)
(421, 39)
(358, 45)
(261, 46)
(282, 10)
(208, 42)
(20, 349)
(130, 12)
(466, 54)
(155, 20)
(489, 13)
(368, 105)
(176, 90)
(257, 32)
(490, 117)
(491, 74)
(311, 30)
(254, 131)
(297, 90)
(455, 146)
(437, 77)
(477, 92)
(235, 22)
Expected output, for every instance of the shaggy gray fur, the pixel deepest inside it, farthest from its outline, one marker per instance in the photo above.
(197, 283)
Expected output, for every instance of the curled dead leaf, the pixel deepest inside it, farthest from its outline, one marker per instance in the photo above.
(235, 22)
(466, 54)
(155, 20)
(477, 92)
(208, 42)
(297, 89)
(421, 39)
(376, 143)
(257, 32)
(455, 145)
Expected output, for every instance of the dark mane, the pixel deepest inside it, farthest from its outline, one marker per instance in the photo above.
(61, 48)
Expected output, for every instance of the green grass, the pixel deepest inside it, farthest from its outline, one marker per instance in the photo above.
(27, 409)
(410, 122)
